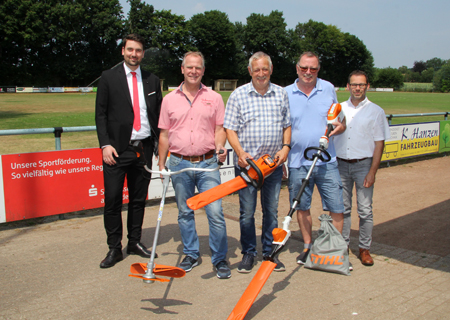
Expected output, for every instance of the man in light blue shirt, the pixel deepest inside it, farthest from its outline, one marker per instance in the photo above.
(310, 98)
(257, 121)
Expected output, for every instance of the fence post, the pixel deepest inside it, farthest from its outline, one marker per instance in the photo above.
(58, 131)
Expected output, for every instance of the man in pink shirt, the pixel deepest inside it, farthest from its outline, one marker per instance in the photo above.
(191, 123)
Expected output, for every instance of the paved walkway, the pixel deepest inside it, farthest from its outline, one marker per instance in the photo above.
(51, 271)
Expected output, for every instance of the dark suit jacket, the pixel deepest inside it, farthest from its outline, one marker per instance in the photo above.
(114, 114)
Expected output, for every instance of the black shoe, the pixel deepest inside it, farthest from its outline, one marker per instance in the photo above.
(301, 259)
(112, 257)
(246, 265)
(280, 265)
(350, 266)
(223, 271)
(188, 263)
(140, 250)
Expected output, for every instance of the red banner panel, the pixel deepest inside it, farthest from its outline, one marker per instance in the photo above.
(46, 183)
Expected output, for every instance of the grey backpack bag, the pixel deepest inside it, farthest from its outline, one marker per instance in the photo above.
(329, 251)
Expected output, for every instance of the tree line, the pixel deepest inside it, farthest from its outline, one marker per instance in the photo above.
(60, 42)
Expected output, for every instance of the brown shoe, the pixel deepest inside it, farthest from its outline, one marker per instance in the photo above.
(364, 256)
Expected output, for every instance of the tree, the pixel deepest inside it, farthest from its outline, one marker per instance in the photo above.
(48, 43)
(419, 66)
(140, 20)
(387, 78)
(268, 34)
(339, 53)
(435, 63)
(212, 33)
(427, 75)
(170, 42)
(441, 80)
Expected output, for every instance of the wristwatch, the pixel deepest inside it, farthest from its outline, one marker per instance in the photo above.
(287, 145)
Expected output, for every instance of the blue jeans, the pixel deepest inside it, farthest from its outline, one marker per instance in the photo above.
(354, 174)
(184, 185)
(326, 178)
(270, 194)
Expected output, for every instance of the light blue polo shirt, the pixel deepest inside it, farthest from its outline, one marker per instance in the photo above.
(309, 120)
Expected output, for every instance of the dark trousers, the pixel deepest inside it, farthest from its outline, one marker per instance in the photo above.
(138, 180)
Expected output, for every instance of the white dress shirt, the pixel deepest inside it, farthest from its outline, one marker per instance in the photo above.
(144, 131)
(366, 123)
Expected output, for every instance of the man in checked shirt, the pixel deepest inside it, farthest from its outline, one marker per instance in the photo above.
(257, 122)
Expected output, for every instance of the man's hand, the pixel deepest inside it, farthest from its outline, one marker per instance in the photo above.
(369, 180)
(339, 127)
(282, 156)
(221, 157)
(108, 154)
(242, 160)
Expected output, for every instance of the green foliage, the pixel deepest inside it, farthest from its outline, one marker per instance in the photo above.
(169, 43)
(388, 78)
(435, 63)
(441, 79)
(212, 33)
(140, 20)
(340, 53)
(57, 42)
(268, 34)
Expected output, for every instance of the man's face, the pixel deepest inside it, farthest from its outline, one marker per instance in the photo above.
(260, 73)
(133, 52)
(193, 69)
(307, 70)
(358, 87)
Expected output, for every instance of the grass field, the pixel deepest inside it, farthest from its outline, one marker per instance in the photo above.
(47, 110)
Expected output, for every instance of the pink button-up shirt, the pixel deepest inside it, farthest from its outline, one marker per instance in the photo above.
(191, 125)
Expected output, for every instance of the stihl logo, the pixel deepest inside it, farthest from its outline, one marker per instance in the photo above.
(337, 260)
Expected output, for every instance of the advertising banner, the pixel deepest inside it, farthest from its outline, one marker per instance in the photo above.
(48, 183)
(24, 89)
(444, 145)
(71, 89)
(56, 89)
(40, 90)
(409, 140)
(7, 89)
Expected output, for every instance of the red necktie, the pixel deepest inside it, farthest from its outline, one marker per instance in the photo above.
(136, 109)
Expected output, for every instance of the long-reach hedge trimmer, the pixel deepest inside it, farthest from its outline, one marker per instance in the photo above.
(149, 271)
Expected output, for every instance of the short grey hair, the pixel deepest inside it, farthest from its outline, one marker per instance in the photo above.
(195, 53)
(258, 55)
(309, 54)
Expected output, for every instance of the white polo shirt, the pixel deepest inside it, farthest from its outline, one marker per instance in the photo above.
(366, 123)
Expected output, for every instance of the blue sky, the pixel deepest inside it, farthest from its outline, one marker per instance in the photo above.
(397, 32)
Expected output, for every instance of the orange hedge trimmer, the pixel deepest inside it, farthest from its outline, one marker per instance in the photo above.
(263, 167)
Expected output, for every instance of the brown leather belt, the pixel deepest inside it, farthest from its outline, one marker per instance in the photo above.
(352, 160)
(207, 155)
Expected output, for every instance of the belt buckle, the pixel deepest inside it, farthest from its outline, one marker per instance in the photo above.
(192, 161)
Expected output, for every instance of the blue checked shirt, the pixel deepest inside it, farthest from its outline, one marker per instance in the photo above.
(258, 120)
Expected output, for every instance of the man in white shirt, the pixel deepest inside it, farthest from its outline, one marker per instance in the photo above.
(359, 150)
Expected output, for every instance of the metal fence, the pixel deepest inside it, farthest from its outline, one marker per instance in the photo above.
(57, 131)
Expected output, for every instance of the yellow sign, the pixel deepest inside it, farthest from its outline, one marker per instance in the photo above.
(411, 140)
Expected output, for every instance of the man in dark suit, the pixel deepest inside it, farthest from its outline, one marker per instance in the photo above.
(126, 112)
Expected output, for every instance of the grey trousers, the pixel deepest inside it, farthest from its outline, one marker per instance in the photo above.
(354, 174)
